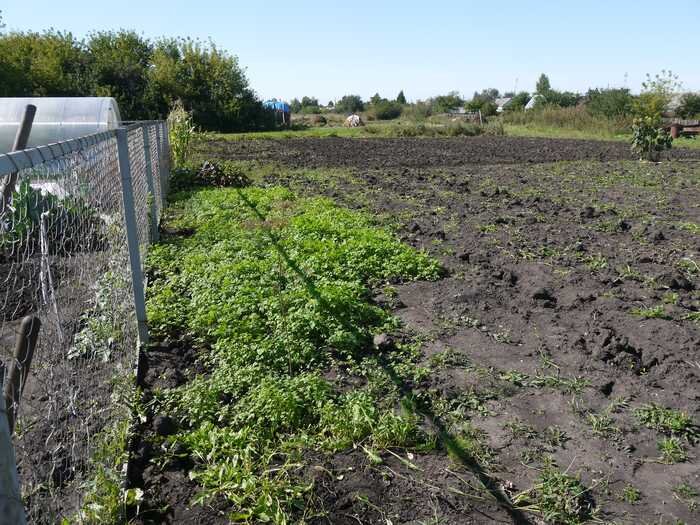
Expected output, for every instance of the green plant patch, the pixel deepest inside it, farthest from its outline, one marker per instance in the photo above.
(276, 289)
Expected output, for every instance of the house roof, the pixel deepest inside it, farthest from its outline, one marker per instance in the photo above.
(503, 102)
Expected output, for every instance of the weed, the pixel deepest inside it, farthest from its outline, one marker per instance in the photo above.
(555, 436)
(518, 429)
(691, 227)
(670, 298)
(687, 494)
(653, 312)
(692, 316)
(666, 420)
(602, 424)
(558, 497)
(631, 494)
(596, 262)
(672, 450)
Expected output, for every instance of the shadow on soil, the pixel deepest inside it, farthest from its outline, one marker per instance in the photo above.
(410, 400)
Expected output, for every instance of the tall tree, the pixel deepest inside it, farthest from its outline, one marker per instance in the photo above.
(119, 69)
(543, 86)
(401, 98)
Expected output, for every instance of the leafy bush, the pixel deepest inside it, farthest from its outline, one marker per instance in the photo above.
(649, 139)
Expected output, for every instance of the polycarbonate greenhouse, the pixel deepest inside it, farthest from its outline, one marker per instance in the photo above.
(57, 118)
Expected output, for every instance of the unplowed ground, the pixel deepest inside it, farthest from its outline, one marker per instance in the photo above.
(570, 301)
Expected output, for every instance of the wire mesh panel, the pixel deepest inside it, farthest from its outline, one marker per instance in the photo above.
(64, 259)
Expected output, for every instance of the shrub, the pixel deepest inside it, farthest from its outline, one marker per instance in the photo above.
(649, 139)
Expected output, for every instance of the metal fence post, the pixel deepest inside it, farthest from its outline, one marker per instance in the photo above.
(149, 182)
(11, 507)
(166, 144)
(161, 166)
(132, 235)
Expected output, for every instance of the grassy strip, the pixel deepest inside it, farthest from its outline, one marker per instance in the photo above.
(276, 289)
(385, 129)
(399, 129)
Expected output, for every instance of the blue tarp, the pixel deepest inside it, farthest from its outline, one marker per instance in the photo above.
(277, 105)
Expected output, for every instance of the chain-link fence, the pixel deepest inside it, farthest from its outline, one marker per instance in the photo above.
(72, 245)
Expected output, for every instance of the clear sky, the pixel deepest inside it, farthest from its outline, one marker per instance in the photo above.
(327, 48)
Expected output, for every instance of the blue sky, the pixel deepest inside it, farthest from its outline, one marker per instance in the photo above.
(328, 49)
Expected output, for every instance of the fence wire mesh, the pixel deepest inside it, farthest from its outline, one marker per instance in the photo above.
(64, 258)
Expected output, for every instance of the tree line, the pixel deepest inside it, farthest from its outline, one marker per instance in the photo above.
(146, 77)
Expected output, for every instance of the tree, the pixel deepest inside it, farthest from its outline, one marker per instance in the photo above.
(386, 109)
(209, 82)
(295, 105)
(518, 102)
(350, 104)
(486, 95)
(2, 24)
(657, 92)
(119, 69)
(690, 106)
(543, 87)
(611, 102)
(43, 64)
(444, 103)
(401, 98)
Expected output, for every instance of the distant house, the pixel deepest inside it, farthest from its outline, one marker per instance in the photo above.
(533, 101)
(502, 103)
(457, 111)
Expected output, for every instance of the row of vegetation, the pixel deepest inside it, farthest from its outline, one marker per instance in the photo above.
(145, 77)
(607, 103)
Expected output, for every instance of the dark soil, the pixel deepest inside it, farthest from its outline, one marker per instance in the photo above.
(421, 152)
(548, 267)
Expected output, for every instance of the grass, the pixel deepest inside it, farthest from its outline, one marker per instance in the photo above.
(274, 289)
